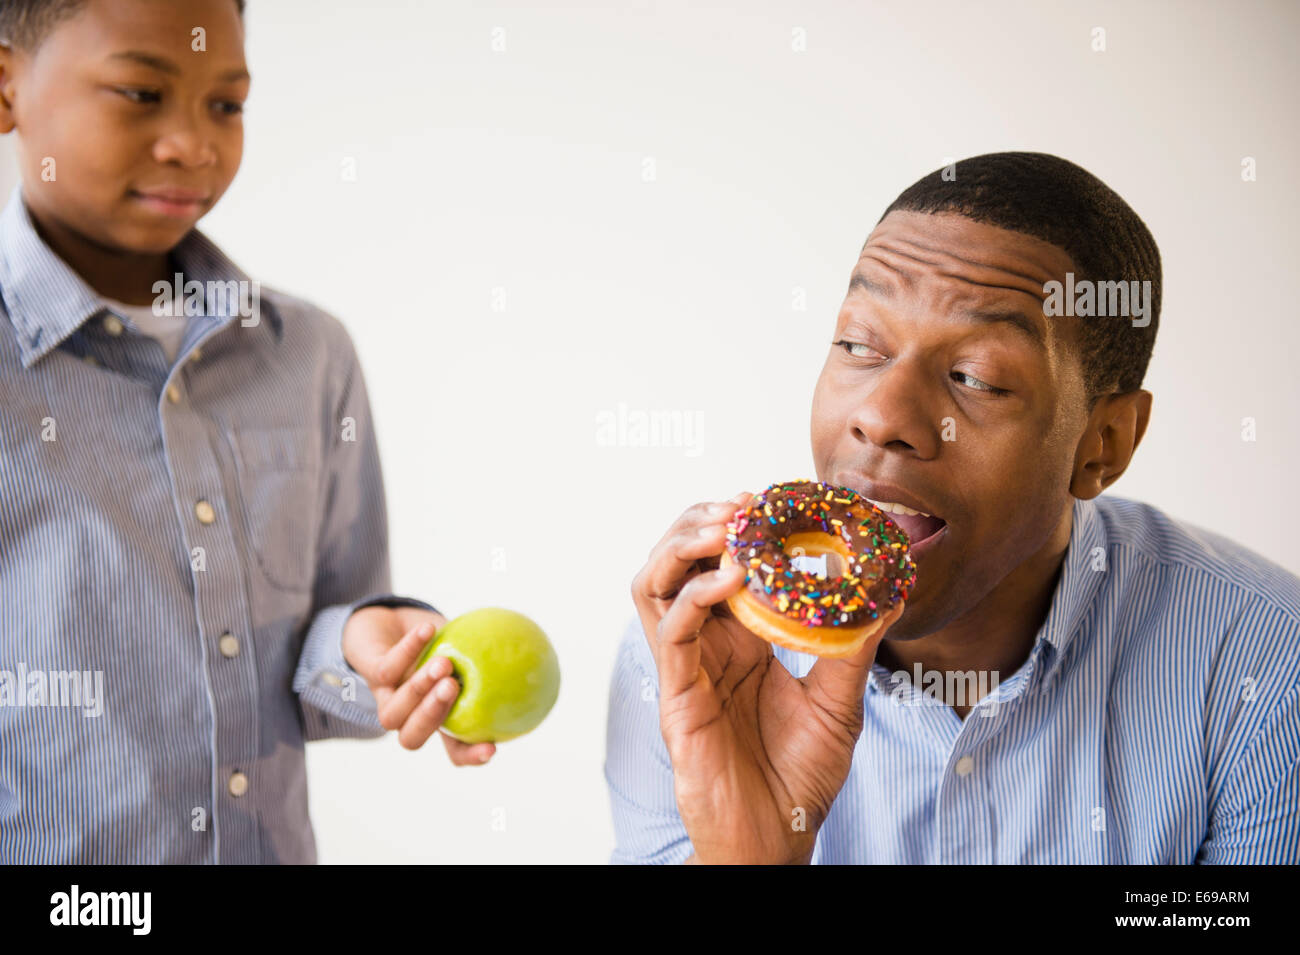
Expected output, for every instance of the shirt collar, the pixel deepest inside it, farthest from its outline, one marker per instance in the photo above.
(1086, 562)
(47, 301)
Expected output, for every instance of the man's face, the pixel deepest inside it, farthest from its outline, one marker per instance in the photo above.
(972, 420)
(140, 132)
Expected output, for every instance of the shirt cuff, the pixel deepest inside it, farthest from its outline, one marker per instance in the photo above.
(329, 689)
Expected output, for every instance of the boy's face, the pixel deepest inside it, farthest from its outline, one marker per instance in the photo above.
(141, 133)
(909, 404)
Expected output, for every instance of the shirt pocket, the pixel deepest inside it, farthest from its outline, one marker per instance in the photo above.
(279, 478)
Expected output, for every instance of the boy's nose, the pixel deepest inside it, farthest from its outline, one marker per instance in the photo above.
(186, 147)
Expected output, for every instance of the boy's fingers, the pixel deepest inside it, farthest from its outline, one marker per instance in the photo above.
(429, 714)
(466, 754)
(396, 706)
(397, 663)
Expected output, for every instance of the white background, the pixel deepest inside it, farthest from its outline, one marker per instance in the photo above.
(524, 170)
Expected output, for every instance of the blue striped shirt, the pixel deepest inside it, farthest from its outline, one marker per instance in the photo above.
(1156, 720)
(181, 543)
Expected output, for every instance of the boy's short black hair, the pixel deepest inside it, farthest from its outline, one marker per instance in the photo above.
(1051, 198)
(24, 24)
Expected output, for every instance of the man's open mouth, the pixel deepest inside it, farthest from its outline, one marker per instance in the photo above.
(904, 508)
(918, 525)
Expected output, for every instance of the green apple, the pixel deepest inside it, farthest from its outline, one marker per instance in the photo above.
(508, 673)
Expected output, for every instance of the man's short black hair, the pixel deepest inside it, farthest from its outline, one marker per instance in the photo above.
(1053, 199)
(24, 24)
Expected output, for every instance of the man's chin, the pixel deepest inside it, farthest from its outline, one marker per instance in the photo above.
(921, 616)
(907, 627)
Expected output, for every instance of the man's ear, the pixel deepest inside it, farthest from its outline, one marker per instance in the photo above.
(1114, 430)
(6, 88)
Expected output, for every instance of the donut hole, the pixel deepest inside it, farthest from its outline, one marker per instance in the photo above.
(807, 549)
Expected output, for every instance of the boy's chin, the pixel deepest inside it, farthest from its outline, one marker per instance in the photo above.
(148, 241)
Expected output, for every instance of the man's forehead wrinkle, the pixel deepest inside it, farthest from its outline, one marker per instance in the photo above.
(1035, 293)
(948, 293)
(930, 255)
(985, 276)
(896, 275)
(970, 297)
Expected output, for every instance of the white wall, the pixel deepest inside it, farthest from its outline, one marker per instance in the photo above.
(523, 170)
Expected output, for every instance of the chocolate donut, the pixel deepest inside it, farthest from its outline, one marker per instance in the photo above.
(830, 615)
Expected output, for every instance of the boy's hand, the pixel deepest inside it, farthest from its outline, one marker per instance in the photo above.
(382, 644)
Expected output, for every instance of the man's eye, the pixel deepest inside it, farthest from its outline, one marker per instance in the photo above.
(856, 349)
(979, 385)
(141, 96)
(230, 107)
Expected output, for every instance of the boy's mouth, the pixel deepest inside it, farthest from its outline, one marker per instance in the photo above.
(170, 201)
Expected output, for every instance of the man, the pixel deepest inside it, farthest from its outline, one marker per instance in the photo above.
(1131, 689)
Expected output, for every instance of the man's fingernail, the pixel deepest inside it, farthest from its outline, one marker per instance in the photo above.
(426, 629)
(739, 497)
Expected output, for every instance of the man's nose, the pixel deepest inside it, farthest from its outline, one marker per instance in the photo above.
(899, 410)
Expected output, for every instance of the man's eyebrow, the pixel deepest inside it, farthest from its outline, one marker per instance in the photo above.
(164, 65)
(1017, 319)
(871, 288)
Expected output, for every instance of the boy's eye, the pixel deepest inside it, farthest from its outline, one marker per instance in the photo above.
(230, 107)
(137, 95)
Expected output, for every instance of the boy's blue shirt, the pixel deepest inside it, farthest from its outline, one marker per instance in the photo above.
(190, 537)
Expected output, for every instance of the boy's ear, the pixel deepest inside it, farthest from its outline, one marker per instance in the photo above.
(6, 88)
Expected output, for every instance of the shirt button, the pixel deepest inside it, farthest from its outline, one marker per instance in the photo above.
(204, 512)
(113, 325)
(238, 784)
(228, 645)
(965, 766)
(173, 393)
(333, 679)
(90, 360)
(196, 354)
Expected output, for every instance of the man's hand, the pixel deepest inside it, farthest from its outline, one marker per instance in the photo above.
(382, 644)
(758, 756)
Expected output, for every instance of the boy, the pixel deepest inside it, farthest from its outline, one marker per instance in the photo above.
(193, 534)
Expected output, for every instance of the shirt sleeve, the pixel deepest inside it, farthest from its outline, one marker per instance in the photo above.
(352, 567)
(1257, 820)
(638, 772)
